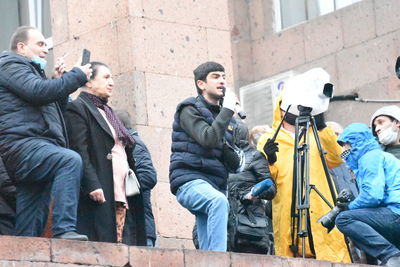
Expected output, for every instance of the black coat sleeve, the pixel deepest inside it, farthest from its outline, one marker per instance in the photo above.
(259, 167)
(144, 165)
(78, 133)
(25, 83)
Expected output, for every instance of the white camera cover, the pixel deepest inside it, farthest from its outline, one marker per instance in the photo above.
(306, 89)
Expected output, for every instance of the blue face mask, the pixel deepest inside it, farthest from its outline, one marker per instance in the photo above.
(40, 61)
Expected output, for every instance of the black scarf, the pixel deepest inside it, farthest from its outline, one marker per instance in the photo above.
(120, 130)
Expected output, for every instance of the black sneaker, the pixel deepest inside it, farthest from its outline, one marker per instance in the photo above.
(72, 236)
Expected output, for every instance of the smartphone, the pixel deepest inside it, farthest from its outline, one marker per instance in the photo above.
(85, 56)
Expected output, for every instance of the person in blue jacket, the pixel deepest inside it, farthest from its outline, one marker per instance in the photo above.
(372, 220)
(33, 140)
(145, 172)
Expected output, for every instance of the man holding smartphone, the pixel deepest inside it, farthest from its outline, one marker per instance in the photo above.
(33, 141)
(198, 175)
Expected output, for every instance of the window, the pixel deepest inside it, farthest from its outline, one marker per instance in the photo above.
(257, 99)
(292, 12)
(15, 13)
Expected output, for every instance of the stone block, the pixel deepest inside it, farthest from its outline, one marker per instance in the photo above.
(281, 52)
(155, 257)
(367, 62)
(242, 62)
(158, 141)
(358, 23)
(240, 23)
(59, 21)
(164, 92)
(299, 262)
(135, 8)
(87, 16)
(201, 258)
(220, 50)
(65, 251)
(161, 47)
(323, 36)
(172, 219)
(98, 42)
(175, 243)
(204, 13)
(24, 248)
(328, 63)
(257, 17)
(387, 17)
(130, 94)
(256, 260)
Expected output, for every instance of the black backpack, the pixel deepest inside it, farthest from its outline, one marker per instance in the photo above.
(249, 227)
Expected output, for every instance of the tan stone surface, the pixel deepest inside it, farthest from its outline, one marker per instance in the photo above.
(257, 17)
(158, 141)
(367, 62)
(281, 52)
(323, 36)
(87, 16)
(164, 92)
(358, 23)
(175, 243)
(387, 17)
(298, 262)
(64, 251)
(220, 50)
(328, 63)
(24, 248)
(155, 257)
(205, 13)
(201, 258)
(98, 42)
(59, 23)
(256, 260)
(135, 8)
(172, 219)
(239, 20)
(130, 94)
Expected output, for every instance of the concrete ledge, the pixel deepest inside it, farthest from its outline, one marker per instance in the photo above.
(38, 252)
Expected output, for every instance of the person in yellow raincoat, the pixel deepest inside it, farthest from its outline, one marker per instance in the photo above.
(332, 246)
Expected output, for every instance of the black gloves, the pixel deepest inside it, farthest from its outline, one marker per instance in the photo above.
(270, 149)
(320, 121)
(344, 198)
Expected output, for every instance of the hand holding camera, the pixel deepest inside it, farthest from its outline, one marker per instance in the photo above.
(270, 148)
(343, 200)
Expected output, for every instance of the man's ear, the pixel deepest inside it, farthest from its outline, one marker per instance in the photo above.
(21, 48)
(200, 84)
(88, 84)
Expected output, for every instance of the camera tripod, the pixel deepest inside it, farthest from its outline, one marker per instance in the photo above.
(300, 209)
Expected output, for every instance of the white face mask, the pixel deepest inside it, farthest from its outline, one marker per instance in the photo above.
(388, 136)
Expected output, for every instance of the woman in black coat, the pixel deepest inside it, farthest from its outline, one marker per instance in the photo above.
(106, 150)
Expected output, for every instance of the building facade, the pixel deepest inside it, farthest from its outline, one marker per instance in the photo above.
(152, 47)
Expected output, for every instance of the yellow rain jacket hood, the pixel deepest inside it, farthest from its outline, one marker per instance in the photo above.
(330, 246)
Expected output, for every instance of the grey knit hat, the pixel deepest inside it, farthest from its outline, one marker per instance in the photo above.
(390, 111)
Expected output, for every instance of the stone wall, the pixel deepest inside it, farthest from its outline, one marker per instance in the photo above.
(152, 48)
(42, 252)
(357, 45)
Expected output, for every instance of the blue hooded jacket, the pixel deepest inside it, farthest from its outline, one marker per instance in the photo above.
(377, 172)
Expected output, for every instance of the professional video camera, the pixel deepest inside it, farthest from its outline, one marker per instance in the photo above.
(310, 89)
(344, 198)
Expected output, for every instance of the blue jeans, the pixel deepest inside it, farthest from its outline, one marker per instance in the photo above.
(376, 231)
(47, 170)
(211, 209)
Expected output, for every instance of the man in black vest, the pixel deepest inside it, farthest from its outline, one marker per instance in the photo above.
(198, 172)
(33, 136)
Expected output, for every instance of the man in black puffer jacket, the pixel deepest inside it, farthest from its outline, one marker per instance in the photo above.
(197, 171)
(33, 138)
